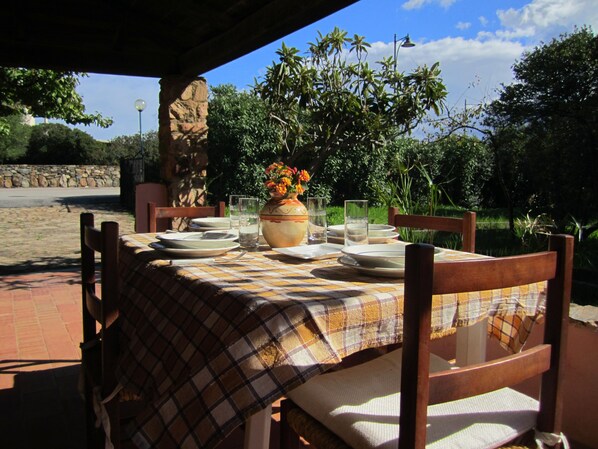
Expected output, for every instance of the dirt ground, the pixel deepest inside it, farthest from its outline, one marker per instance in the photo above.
(36, 238)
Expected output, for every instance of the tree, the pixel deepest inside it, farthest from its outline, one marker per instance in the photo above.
(323, 104)
(128, 147)
(53, 143)
(552, 111)
(241, 143)
(44, 93)
(13, 145)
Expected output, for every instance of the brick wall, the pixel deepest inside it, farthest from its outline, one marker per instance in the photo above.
(22, 175)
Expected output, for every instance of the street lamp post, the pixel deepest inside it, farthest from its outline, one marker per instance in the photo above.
(404, 42)
(140, 106)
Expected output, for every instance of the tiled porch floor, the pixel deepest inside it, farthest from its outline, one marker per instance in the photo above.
(40, 331)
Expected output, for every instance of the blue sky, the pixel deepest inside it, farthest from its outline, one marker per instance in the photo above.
(476, 42)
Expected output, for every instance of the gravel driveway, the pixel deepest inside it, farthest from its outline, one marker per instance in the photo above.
(47, 237)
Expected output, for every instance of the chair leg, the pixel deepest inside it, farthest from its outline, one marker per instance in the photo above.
(94, 437)
(288, 438)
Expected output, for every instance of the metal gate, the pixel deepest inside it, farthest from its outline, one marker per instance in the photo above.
(132, 172)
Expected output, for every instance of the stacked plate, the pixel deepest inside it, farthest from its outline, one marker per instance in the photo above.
(196, 244)
(210, 224)
(378, 260)
(377, 233)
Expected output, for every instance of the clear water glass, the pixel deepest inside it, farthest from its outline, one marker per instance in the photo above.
(249, 223)
(356, 222)
(316, 224)
(233, 210)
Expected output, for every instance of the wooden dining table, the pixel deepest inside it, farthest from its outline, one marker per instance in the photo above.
(212, 344)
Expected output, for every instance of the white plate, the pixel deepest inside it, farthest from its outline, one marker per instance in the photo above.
(311, 252)
(212, 222)
(381, 255)
(195, 252)
(378, 255)
(186, 240)
(376, 271)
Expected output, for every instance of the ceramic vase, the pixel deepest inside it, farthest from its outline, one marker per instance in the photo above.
(283, 221)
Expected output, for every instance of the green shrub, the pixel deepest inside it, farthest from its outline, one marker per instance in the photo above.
(53, 143)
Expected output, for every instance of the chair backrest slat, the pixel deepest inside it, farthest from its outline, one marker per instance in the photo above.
(423, 278)
(482, 378)
(465, 226)
(470, 275)
(155, 212)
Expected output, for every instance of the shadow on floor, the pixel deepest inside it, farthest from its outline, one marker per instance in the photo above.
(41, 264)
(43, 409)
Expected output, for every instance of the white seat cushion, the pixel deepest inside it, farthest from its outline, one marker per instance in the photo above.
(361, 405)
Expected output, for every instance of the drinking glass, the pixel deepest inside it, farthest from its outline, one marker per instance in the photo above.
(249, 223)
(356, 222)
(316, 224)
(233, 210)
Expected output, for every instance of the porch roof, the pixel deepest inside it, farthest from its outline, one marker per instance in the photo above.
(153, 38)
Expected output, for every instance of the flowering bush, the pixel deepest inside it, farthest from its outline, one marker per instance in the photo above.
(282, 179)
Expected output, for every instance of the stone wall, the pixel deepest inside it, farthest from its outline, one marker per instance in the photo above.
(183, 138)
(59, 176)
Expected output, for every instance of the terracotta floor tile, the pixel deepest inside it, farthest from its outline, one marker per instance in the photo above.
(40, 331)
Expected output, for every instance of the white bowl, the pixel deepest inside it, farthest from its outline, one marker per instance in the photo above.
(212, 222)
(374, 230)
(380, 230)
(197, 240)
(380, 256)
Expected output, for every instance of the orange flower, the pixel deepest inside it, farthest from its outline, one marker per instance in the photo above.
(281, 189)
(282, 179)
(304, 176)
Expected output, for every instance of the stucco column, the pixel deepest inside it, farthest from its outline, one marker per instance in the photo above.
(183, 138)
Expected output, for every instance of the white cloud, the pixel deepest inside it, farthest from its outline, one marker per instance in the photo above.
(463, 25)
(541, 18)
(417, 4)
(483, 21)
(472, 69)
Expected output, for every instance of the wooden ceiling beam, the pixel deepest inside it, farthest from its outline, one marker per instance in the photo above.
(154, 65)
(255, 31)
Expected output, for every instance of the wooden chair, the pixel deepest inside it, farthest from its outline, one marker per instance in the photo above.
(465, 226)
(439, 403)
(155, 212)
(99, 350)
